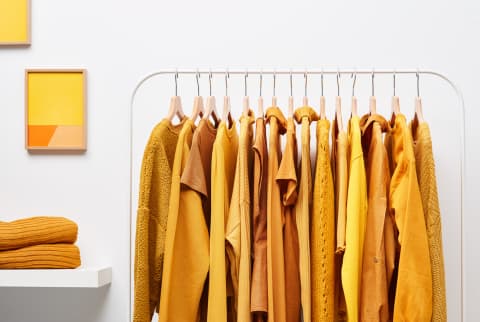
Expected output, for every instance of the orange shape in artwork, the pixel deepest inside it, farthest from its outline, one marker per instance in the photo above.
(40, 135)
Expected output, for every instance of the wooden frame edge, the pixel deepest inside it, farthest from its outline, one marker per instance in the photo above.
(83, 147)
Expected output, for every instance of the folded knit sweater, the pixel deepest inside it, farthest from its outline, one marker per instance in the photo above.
(41, 256)
(37, 230)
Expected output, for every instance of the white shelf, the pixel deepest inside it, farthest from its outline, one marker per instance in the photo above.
(75, 278)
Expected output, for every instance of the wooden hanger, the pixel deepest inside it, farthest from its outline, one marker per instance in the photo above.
(246, 100)
(418, 103)
(323, 115)
(354, 110)
(373, 100)
(395, 99)
(175, 105)
(227, 115)
(338, 106)
(290, 99)
(198, 109)
(260, 98)
(210, 106)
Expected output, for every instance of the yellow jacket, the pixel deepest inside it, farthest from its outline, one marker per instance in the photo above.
(322, 236)
(356, 219)
(155, 182)
(425, 166)
(223, 171)
(413, 297)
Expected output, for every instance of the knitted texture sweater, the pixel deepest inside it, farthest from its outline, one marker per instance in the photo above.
(427, 181)
(41, 257)
(37, 230)
(155, 182)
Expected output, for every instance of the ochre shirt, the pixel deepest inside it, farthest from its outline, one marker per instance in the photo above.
(427, 181)
(223, 170)
(287, 180)
(259, 297)
(356, 220)
(152, 213)
(238, 236)
(304, 116)
(275, 222)
(322, 232)
(377, 267)
(414, 270)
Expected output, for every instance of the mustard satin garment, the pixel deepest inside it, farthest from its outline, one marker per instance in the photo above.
(223, 171)
(322, 233)
(186, 244)
(238, 234)
(427, 181)
(275, 221)
(414, 270)
(355, 224)
(287, 180)
(304, 116)
(340, 180)
(379, 245)
(259, 296)
(152, 213)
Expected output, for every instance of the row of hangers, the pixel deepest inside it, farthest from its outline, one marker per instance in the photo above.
(209, 111)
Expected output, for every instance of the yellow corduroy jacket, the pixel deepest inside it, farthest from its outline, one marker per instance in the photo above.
(155, 182)
(413, 296)
(355, 224)
(427, 181)
(322, 232)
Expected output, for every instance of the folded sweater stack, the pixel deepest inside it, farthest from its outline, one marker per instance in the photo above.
(39, 242)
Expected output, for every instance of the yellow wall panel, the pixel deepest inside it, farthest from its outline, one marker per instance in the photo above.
(14, 21)
(55, 98)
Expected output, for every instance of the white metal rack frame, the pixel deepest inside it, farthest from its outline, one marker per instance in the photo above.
(286, 72)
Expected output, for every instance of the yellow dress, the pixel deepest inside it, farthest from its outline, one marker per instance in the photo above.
(238, 236)
(152, 213)
(414, 270)
(355, 224)
(223, 171)
(425, 166)
(322, 236)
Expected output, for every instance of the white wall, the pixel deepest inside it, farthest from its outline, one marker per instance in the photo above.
(120, 41)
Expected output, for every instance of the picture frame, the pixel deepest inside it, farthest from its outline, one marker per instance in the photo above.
(55, 110)
(15, 23)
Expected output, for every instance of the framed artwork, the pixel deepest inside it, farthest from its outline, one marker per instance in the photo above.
(14, 22)
(55, 110)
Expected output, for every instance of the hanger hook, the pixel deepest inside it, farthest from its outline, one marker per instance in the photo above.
(394, 83)
(321, 78)
(291, 84)
(305, 74)
(246, 75)
(197, 76)
(338, 83)
(418, 83)
(176, 82)
(274, 81)
(261, 82)
(354, 76)
(373, 82)
(227, 76)
(210, 81)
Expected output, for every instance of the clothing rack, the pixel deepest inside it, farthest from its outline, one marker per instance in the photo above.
(308, 72)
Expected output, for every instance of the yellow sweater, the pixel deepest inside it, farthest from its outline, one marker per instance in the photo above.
(322, 236)
(43, 256)
(155, 181)
(356, 221)
(425, 166)
(35, 231)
